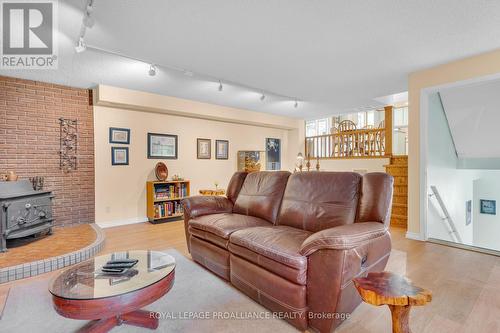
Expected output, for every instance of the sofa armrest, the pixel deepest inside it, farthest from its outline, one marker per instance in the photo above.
(344, 237)
(204, 205)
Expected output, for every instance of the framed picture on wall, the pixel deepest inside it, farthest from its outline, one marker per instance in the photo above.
(119, 135)
(203, 149)
(163, 146)
(273, 154)
(221, 149)
(488, 207)
(119, 155)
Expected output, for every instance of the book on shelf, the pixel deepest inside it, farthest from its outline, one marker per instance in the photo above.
(166, 209)
(170, 191)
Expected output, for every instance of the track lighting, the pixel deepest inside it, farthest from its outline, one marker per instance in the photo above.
(80, 46)
(220, 86)
(263, 97)
(296, 105)
(152, 70)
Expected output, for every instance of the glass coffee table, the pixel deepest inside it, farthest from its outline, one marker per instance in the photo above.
(81, 292)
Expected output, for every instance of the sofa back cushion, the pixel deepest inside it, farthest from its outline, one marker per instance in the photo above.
(314, 201)
(235, 184)
(261, 194)
(375, 200)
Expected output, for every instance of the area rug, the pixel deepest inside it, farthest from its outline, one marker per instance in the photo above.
(196, 294)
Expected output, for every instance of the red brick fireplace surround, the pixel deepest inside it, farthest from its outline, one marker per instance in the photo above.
(29, 142)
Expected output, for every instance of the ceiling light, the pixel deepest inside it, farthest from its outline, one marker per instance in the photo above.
(189, 73)
(263, 97)
(220, 86)
(296, 105)
(152, 70)
(80, 46)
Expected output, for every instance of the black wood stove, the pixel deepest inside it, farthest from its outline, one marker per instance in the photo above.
(24, 211)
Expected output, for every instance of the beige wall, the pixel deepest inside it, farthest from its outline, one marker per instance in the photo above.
(461, 70)
(120, 190)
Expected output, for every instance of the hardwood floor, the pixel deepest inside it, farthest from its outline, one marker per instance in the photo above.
(465, 285)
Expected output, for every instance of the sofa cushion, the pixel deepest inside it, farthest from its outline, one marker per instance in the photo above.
(315, 201)
(216, 228)
(278, 243)
(261, 194)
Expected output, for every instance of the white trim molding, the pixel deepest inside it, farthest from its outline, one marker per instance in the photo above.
(116, 223)
(415, 236)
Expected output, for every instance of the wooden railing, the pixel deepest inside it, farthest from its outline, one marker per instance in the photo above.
(363, 143)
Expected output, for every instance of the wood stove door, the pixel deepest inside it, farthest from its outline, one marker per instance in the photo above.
(24, 215)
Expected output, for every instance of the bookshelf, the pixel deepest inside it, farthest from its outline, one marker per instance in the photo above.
(164, 200)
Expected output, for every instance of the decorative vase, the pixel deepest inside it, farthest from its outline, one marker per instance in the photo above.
(11, 176)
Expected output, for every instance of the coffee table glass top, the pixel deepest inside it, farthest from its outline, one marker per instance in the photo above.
(83, 281)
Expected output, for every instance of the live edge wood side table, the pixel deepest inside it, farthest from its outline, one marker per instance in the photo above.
(395, 291)
(80, 293)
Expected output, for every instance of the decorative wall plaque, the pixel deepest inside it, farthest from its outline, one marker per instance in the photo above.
(68, 144)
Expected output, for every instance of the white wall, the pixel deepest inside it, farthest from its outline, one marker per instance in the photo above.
(486, 227)
(120, 190)
(442, 172)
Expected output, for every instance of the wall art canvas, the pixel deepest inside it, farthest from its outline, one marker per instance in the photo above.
(488, 207)
(163, 146)
(204, 149)
(221, 149)
(251, 160)
(119, 155)
(273, 154)
(119, 135)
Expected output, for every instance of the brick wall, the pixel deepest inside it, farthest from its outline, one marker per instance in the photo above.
(29, 142)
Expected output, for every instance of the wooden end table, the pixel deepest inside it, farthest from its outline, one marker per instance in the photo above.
(395, 291)
(80, 293)
(217, 192)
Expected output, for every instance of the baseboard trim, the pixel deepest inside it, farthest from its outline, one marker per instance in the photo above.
(464, 247)
(414, 235)
(116, 223)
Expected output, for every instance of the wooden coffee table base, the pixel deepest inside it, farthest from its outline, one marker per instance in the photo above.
(138, 318)
(395, 291)
(109, 312)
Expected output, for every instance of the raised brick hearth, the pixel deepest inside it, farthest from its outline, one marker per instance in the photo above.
(29, 142)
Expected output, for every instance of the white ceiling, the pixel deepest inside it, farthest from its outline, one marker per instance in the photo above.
(334, 55)
(473, 113)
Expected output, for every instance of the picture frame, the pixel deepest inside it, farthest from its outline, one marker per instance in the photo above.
(488, 207)
(203, 149)
(119, 135)
(119, 156)
(162, 146)
(273, 154)
(222, 149)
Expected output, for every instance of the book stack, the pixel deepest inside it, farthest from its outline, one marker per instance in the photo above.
(171, 191)
(166, 209)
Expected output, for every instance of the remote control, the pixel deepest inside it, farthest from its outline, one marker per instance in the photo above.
(122, 261)
(119, 265)
(113, 270)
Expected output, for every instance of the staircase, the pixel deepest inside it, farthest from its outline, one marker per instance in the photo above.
(398, 168)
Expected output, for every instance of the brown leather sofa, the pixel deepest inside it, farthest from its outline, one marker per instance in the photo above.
(294, 242)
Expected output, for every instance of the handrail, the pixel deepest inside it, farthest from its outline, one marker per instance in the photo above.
(360, 143)
(452, 230)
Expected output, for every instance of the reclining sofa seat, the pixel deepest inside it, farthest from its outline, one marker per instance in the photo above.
(294, 242)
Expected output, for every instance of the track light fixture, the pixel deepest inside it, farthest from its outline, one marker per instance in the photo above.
(80, 46)
(152, 70)
(220, 86)
(262, 97)
(296, 105)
